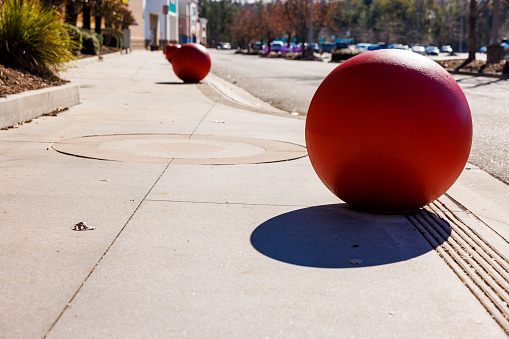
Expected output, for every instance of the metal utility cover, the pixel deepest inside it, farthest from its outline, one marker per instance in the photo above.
(182, 149)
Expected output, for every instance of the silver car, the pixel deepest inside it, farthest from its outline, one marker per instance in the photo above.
(418, 49)
(432, 50)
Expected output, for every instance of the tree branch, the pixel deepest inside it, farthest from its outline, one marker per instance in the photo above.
(482, 7)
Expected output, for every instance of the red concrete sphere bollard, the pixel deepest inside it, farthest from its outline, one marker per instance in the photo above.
(191, 62)
(170, 51)
(389, 131)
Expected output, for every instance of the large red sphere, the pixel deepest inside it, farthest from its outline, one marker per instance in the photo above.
(389, 131)
(191, 62)
(170, 51)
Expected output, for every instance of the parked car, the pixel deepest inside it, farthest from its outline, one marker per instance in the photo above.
(258, 46)
(505, 44)
(224, 45)
(327, 47)
(362, 45)
(374, 47)
(432, 50)
(418, 49)
(296, 48)
(275, 46)
(399, 46)
(446, 49)
(368, 47)
(341, 45)
(316, 47)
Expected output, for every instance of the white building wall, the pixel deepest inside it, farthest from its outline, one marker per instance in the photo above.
(189, 21)
(165, 26)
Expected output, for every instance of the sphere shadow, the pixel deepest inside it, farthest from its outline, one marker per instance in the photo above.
(337, 236)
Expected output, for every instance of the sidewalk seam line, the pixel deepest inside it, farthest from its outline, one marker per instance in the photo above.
(198, 125)
(106, 251)
(475, 217)
(224, 203)
(138, 70)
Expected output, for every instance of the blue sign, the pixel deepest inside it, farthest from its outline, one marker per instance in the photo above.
(172, 8)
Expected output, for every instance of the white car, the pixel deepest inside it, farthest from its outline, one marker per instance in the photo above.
(446, 49)
(418, 49)
(432, 50)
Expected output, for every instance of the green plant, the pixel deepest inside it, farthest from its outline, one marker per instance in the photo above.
(92, 42)
(113, 38)
(77, 37)
(32, 37)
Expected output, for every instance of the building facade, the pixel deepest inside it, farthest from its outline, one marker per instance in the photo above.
(156, 23)
(188, 20)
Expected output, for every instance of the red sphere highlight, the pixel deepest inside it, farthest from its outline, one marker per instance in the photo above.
(170, 51)
(191, 62)
(389, 131)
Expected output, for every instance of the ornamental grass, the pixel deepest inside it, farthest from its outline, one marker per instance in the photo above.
(33, 37)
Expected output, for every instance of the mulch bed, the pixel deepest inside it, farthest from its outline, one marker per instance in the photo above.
(475, 66)
(13, 81)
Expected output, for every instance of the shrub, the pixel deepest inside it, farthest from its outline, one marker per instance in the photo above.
(77, 37)
(113, 38)
(344, 54)
(92, 42)
(33, 38)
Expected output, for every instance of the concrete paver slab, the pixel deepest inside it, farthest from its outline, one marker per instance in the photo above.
(43, 260)
(296, 183)
(189, 269)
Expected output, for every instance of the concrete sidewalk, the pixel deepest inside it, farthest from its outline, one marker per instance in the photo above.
(211, 223)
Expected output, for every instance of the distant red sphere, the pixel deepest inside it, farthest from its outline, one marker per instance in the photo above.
(191, 62)
(389, 131)
(170, 51)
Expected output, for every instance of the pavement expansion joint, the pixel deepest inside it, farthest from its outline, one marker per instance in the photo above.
(183, 149)
(224, 203)
(478, 264)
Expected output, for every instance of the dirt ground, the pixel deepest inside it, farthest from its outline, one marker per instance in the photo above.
(473, 67)
(13, 81)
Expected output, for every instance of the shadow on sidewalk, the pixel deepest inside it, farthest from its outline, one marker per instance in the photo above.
(337, 236)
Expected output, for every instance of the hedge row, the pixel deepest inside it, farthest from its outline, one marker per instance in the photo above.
(90, 42)
(344, 54)
(113, 38)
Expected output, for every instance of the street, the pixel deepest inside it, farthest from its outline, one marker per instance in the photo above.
(290, 85)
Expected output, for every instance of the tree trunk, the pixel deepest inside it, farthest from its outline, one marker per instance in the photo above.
(98, 20)
(70, 14)
(472, 22)
(86, 16)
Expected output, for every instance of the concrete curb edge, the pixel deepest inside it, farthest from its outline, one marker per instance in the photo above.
(28, 105)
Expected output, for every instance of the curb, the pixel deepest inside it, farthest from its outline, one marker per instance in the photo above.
(101, 57)
(28, 105)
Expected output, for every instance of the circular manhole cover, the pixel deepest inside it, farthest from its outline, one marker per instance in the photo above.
(180, 149)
